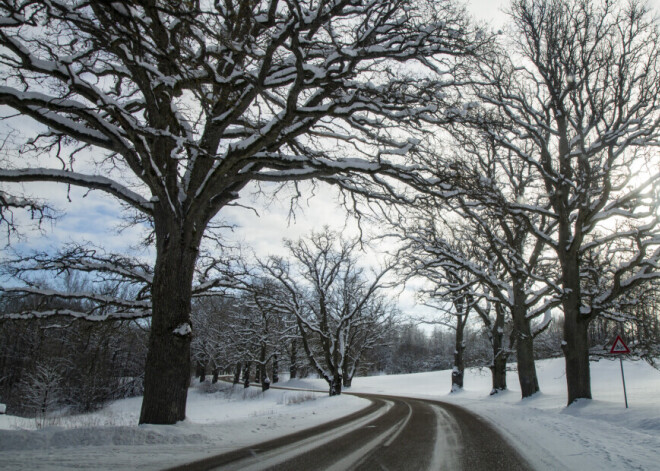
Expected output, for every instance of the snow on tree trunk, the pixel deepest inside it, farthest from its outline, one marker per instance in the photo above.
(335, 384)
(349, 373)
(191, 101)
(458, 370)
(265, 383)
(167, 368)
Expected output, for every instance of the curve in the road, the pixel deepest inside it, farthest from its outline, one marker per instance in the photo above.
(392, 433)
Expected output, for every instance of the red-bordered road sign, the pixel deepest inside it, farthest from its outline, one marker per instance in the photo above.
(619, 346)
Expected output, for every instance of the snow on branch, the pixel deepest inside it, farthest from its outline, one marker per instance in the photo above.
(85, 315)
(104, 285)
(96, 182)
(196, 110)
(38, 210)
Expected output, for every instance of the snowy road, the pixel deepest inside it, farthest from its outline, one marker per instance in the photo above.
(394, 433)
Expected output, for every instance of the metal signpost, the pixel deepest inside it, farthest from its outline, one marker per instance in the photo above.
(618, 348)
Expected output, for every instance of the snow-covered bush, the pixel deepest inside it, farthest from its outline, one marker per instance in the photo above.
(289, 398)
(212, 388)
(41, 394)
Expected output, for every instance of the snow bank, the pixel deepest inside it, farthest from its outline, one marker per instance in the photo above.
(215, 423)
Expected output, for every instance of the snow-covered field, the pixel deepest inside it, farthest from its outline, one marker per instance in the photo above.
(592, 435)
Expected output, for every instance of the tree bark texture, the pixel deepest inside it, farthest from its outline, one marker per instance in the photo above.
(500, 355)
(335, 385)
(276, 370)
(529, 383)
(576, 337)
(167, 368)
(349, 372)
(458, 370)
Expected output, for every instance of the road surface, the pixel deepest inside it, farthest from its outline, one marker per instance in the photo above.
(393, 433)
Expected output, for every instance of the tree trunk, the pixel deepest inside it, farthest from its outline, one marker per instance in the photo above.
(576, 343)
(348, 381)
(263, 371)
(576, 332)
(529, 383)
(458, 371)
(276, 370)
(237, 373)
(265, 381)
(500, 356)
(200, 372)
(349, 373)
(246, 374)
(216, 373)
(498, 371)
(293, 366)
(167, 368)
(335, 385)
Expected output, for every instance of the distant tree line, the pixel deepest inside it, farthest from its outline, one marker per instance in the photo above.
(69, 366)
(63, 365)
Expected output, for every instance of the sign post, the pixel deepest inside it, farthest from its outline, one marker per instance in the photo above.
(618, 348)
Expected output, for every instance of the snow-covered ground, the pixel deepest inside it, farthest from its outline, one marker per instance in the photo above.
(215, 423)
(592, 435)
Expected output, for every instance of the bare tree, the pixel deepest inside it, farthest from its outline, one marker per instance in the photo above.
(212, 347)
(451, 293)
(480, 253)
(96, 361)
(577, 99)
(179, 105)
(261, 331)
(494, 315)
(337, 308)
(377, 316)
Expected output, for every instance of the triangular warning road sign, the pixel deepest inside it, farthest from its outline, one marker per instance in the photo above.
(619, 346)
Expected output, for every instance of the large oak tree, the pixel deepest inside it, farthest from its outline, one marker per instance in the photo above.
(173, 107)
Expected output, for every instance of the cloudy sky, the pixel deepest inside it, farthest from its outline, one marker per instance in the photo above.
(94, 218)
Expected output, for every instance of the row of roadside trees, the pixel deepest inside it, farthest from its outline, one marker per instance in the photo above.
(525, 162)
(554, 171)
